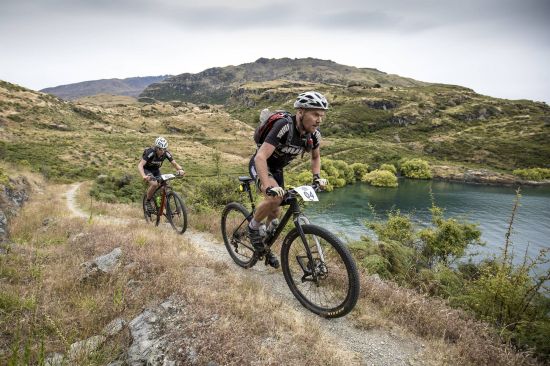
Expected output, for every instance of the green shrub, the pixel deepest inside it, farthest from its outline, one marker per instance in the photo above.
(388, 167)
(536, 174)
(441, 281)
(215, 193)
(416, 168)
(397, 227)
(511, 298)
(298, 179)
(123, 188)
(345, 171)
(359, 169)
(449, 238)
(375, 263)
(380, 178)
(4, 179)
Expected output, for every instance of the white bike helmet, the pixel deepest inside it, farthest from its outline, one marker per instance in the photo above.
(311, 100)
(161, 142)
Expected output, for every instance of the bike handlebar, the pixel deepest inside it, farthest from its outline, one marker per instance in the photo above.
(166, 177)
(291, 192)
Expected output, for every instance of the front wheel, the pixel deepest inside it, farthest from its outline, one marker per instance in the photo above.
(327, 283)
(235, 219)
(176, 212)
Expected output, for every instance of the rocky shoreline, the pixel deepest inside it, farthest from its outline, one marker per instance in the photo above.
(480, 176)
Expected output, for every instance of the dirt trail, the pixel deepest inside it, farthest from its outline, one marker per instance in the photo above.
(373, 346)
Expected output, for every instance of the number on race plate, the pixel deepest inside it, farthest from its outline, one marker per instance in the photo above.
(307, 193)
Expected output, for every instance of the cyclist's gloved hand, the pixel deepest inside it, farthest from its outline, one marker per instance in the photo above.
(275, 191)
(180, 172)
(319, 182)
(148, 177)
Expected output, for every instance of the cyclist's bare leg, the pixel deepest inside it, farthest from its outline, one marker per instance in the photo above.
(270, 206)
(273, 215)
(152, 187)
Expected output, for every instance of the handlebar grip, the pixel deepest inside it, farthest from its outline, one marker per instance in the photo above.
(270, 191)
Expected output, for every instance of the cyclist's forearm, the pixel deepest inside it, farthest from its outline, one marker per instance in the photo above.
(315, 162)
(176, 165)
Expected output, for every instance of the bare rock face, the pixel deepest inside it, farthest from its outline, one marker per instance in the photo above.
(13, 195)
(150, 340)
(99, 266)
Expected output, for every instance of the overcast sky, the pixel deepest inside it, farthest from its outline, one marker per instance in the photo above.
(496, 47)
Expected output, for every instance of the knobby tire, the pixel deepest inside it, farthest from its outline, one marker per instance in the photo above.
(234, 225)
(176, 212)
(337, 288)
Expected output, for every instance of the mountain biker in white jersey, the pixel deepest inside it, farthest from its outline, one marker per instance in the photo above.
(149, 167)
(266, 166)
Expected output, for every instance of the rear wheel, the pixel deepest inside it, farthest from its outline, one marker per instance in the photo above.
(176, 212)
(150, 217)
(234, 224)
(328, 282)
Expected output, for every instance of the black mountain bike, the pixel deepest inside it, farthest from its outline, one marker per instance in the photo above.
(167, 203)
(317, 266)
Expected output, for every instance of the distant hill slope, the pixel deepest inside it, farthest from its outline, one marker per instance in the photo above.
(216, 84)
(129, 87)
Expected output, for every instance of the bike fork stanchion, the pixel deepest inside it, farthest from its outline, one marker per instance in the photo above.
(305, 221)
(308, 250)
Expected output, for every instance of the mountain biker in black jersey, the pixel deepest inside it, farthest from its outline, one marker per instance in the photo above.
(149, 167)
(266, 165)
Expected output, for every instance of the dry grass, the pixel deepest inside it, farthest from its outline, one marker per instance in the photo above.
(99, 208)
(463, 340)
(53, 306)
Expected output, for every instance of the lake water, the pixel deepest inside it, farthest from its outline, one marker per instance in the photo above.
(345, 211)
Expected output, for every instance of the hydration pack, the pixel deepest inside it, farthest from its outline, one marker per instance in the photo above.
(267, 119)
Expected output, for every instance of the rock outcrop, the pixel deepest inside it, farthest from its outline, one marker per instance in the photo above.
(13, 194)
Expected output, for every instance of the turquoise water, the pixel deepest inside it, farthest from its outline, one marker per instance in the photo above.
(346, 209)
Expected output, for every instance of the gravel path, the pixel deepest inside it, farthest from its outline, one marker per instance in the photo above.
(373, 346)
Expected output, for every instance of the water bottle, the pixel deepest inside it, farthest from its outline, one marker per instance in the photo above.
(262, 229)
(272, 226)
(157, 200)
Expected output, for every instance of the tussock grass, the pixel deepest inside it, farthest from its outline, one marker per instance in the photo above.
(50, 307)
(465, 341)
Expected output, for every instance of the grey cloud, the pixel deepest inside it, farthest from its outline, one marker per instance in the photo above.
(403, 16)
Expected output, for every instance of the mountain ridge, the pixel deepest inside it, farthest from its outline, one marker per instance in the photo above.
(214, 85)
(131, 86)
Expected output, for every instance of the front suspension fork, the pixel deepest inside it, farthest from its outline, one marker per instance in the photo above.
(301, 219)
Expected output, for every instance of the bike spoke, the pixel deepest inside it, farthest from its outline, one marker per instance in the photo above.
(321, 285)
(235, 235)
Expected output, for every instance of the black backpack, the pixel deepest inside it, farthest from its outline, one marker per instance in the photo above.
(267, 119)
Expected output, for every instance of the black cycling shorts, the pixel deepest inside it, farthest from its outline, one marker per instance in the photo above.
(153, 172)
(277, 175)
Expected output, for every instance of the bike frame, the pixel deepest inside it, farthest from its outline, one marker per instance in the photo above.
(165, 188)
(298, 217)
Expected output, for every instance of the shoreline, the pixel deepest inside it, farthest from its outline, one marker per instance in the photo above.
(481, 176)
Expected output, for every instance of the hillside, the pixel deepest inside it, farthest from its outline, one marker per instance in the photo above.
(438, 122)
(215, 85)
(129, 87)
(72, 140)
(405, 117)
